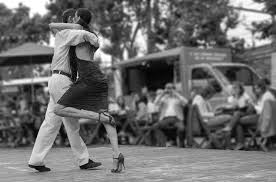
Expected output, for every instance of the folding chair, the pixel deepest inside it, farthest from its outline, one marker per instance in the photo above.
(251, 133)
(89, 130)
(264, 129)
(4, 127)
(129, 123)
(197, 127)
(144, 133)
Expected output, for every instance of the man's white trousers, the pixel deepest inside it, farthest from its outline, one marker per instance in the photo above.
(58, 84)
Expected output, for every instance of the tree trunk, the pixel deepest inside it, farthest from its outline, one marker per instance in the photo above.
(149, 32)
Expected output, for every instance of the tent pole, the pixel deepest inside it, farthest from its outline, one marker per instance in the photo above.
(32, 84)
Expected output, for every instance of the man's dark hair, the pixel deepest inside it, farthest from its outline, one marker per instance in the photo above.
(267, 81)
(207, 91)
(67, 13)
(261, 84)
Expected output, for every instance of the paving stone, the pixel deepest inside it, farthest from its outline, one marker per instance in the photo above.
(145, 164)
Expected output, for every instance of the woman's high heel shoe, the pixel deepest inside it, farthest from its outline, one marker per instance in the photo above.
(120, 164)
(111, 120)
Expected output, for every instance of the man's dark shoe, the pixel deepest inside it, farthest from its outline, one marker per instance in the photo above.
(90, 165)
(40, 168)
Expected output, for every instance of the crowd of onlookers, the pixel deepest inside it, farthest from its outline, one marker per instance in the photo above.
(160, 117)
(164, 105)
(239, 113)
(167, 109)
(21, 116)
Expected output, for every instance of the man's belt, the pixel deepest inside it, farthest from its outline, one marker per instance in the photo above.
(62, 73)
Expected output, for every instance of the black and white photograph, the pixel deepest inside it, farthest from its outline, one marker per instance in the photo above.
(138, 90)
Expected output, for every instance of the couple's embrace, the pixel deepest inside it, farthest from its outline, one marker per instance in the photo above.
(72, 98)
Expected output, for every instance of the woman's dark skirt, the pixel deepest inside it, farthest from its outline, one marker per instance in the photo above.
(92, 96)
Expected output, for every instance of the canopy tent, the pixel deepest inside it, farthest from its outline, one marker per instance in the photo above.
(152, 57)
(28, 53)
(25, 81)
(11, 86)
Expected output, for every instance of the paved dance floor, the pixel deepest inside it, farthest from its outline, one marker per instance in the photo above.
(145, 164)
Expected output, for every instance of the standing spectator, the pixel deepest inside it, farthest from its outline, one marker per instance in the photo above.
(171, 105)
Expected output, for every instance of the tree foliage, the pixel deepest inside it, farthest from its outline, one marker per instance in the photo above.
(165, 23)
(199, 23)
(266, 27)
(17, 27)
(111, 20)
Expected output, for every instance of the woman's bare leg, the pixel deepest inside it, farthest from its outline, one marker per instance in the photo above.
(113, 137)
(77, 113)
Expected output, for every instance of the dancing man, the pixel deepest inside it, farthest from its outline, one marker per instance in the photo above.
(88, 96)
(59, 82)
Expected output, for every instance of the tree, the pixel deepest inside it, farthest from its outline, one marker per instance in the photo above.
(111, 20)
(165, 23)
(267, 27)
(17, 27)
(198, 23)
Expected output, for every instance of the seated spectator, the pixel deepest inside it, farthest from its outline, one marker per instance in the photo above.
(152, 109)
(144, 92)
(262, 94)
(142, 114)
(240, 104)
(119, 107)
(193, 93)
(268, 85)
(119, 110)
(171, 105)
(23, 105)
(205, 109)
(133, 102)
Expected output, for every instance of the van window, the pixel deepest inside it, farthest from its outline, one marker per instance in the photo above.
(238, 73)
(202, 77)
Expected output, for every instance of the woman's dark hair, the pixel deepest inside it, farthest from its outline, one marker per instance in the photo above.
(85, 17)
(240, 86)
(67, 13)
(207, 91)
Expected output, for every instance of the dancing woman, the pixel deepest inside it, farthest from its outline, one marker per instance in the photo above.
(88, 96)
